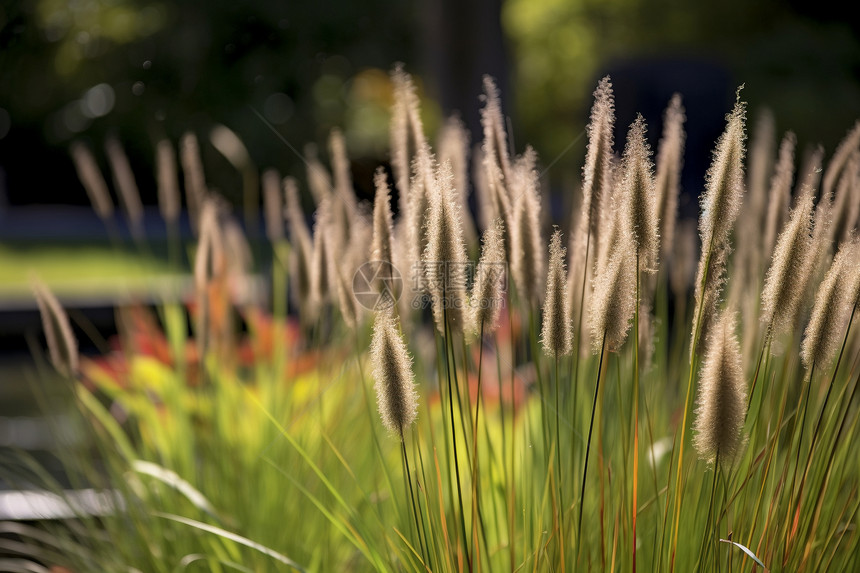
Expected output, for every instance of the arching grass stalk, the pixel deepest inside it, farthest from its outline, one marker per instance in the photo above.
(679, 478)
(705, 547)
(513, 483)
(449, 366)
(408, 476)
(588, 444)
(561, 536)
(821, 411)
(635, 410)
(371, 421)
(820, 496)
(804, 405)
(475, 508)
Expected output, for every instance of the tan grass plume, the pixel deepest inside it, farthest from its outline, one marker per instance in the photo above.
(195, 181)
(453, 146)
(557, 328)
(708, 298)
(383, 227)
(724, 187)
(846, 201)
(92, 180)
(849, 144)
(785, 282)
(168, 181)
(126, 186)
(272, 205)
(613, 299)
(667, 180)
(488, 292)
(833, 304)
(640, 201)
(392, 372)
(301, 253)
(62, 345)
(445, 259)
(779, 194)
(319, 179)
(718, 429)
(527, 256)
(596, 174)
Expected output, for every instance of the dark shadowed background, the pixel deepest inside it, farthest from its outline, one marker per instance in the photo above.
(143, 69)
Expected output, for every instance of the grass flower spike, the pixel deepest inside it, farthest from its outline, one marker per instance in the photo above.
(92, 180)
(488, 292)
(168, 183)
(557, 330)
(832, 307)
(670, 160)
(722, 395)
(639, 199)
(62, 346)
(445, 259)
(392, 372)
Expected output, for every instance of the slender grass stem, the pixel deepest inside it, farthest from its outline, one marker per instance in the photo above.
(408, 475)
(449, 351)
(588, 444)
(704, 549)
(562, 538)
(635, 508)
(475, 474)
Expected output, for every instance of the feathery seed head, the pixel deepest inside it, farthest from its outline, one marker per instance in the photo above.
(718, 429)
(62, 345)
(846, 203)
(418, 209)
(779, 195)
(495, 135)
(847, 146)
(92, 180)
(639, 198)
(832, 307)
(786, 278)
(272, 202)
(322, 275)
(392, 373)
(168, 182)
(195, 180)
(407, 132)
(613, 300)
(301, 253)
(526, 248)
(382, 220)
(453, 145)
(557, 328)
(228, 144)
(488, 292)
(708, 298)
(445, 259)
(670, 160)
(596, 169)
(123, 179)
(725, 181)
(319, 179)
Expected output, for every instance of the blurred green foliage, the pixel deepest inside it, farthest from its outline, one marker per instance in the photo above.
(799, 60)
(146, 69)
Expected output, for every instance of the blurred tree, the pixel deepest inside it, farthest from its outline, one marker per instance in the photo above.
(801, 60)
(146, 69)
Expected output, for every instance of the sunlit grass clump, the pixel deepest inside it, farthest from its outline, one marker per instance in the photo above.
(575, 397)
